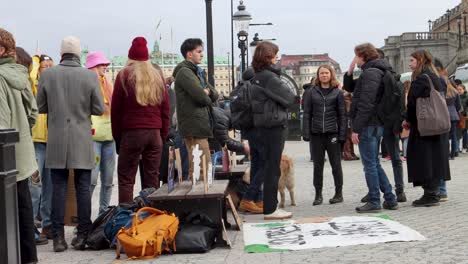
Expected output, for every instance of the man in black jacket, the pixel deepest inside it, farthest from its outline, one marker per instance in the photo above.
(390, 137)
(367, 128)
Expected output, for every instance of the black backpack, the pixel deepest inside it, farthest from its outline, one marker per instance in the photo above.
(390, 108)
(241, 106)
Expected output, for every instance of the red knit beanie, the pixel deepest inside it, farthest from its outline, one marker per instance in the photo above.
(138, 51)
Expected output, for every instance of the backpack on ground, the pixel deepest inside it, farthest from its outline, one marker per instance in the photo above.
(121, 217)
(97, 239)
(197, 233)
(150, 237)
(432, 113)
(241, 106)
(390, 108)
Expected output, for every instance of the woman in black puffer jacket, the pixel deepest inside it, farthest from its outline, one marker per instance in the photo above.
(325, 126)
(222, 125)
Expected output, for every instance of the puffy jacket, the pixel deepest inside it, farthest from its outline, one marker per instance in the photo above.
(366, 93)
(270, 99)
(324, 113)
(222, 124)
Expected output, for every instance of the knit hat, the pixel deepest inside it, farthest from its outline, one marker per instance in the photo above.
(94, 59)
(71, 45)
(138, 51)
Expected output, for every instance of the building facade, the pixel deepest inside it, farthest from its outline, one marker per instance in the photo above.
(302, 68)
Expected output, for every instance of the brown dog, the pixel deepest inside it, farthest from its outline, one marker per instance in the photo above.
(286, 180)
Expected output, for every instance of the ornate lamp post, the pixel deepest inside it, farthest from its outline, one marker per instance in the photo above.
(430, 25)
(209, 40)
(241, 21)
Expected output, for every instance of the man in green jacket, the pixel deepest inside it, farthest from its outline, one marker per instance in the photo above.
(18, 110)
(194, 96)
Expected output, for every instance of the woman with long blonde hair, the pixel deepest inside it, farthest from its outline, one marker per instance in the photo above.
(140, 120)
(324, 125)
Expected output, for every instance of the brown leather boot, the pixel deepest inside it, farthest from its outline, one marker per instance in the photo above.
(250, 206)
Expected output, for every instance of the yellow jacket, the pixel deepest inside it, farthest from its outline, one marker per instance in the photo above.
(39, 130)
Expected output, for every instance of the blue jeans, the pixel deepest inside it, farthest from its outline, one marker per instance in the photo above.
(376, 178)
(41, 192)
(105, 166)
(255, 190)
(442, 187)
(465, 139)
(405, 146)
(453, 138)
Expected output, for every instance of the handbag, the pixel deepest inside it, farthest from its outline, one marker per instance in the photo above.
(432, 113)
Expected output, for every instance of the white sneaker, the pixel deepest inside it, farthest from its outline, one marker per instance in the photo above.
(279, 214)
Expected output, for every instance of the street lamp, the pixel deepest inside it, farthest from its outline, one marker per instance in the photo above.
(464, 21)
(459, 21)
(241, 21)
(430, 25)
(209, 40)
(448, 19)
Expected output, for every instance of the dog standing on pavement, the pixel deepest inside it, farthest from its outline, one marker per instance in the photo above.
(286, 180)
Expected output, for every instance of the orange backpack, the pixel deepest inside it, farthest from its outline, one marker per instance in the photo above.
(148, 238)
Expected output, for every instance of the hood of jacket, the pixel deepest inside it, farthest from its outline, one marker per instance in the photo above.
(184, 64)
(380, 64)
(9, 71)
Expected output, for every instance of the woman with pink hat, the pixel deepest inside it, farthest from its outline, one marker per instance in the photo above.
(104, 145)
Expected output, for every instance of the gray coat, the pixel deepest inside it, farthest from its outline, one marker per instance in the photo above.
(69, 94)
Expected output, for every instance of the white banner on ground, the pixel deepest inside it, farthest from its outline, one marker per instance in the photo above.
(336, 232)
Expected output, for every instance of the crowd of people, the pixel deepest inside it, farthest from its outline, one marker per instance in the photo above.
(72, 117)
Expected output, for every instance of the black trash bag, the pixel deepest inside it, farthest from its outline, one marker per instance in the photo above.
(96, 238)
(197, 234)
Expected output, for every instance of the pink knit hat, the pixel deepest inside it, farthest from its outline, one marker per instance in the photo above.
(95, 58)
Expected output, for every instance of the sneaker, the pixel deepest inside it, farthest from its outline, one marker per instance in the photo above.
(368, 208)
(250, 206)
(443, 198)
(365, 199)
(390, 205)
(426, 201)
(259, 204)
(278, 215)
(401, 197)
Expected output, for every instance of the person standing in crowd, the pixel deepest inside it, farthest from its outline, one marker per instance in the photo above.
(454, 107)
(270, 101)
(23, 58)
(367, 128)
(18, 110)
(104, 145)
(140, 120)
(428, 159)
(348, 146)
(195, 97)
(463, 135)
(307, 87)
(405, 132)
(70, 94)
(324, 126)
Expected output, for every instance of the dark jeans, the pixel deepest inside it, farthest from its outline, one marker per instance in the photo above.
(453, 138)
(376, 178)
(255, 192)
(146, 143)
(271, 141)
(393, 149)
(26, 223)
(83, 199)
(330, 144)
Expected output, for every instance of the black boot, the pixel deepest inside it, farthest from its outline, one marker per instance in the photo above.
(426, 201)
(365, 199)
(318, 197)
(338, 198)
(79, 242)
(401, 196)
(60, 244)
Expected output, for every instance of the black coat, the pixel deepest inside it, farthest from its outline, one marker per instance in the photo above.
(427, 157)
(222, 124)
(324, 113)
(366, 94)
(270, 99)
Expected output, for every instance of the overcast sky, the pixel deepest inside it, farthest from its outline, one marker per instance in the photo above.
(300, 26)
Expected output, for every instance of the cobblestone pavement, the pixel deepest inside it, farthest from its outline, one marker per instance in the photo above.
(445, 226)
